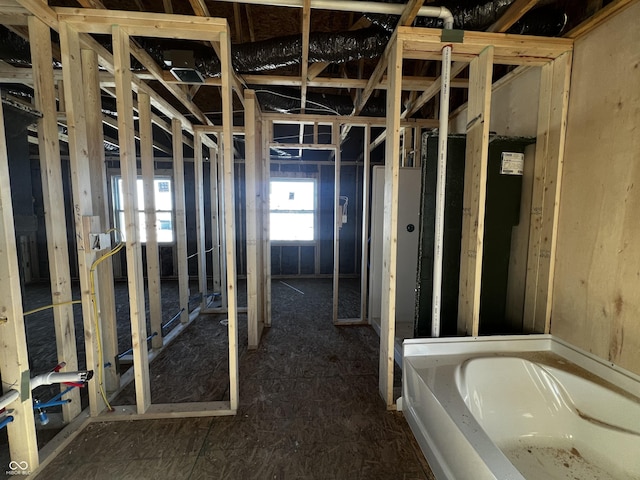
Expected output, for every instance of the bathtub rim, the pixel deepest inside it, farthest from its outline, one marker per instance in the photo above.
(457, 349)
(450, 346)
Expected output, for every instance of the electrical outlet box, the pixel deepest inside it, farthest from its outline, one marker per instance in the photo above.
(100, 241)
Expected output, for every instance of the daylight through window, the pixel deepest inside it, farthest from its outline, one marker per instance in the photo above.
(292, 204)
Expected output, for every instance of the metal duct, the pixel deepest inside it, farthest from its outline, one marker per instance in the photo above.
(475, 15)
(279, 52)
(547, 21)
(14, 49)
(467, 15)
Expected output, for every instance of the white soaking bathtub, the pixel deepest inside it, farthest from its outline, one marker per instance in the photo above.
(520, 407)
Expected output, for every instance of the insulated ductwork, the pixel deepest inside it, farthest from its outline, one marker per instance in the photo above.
(467, 15)
(338, 47)
(14, 49)
(479, 15)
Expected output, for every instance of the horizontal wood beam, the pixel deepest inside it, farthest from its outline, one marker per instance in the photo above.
(409, 83)
(145, 24)
(294, 119)
(426, 44)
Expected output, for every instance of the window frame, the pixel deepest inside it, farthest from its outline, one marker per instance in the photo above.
(116, 208)
(298, 178)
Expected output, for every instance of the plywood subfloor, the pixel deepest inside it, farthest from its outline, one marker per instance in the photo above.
(309, 407)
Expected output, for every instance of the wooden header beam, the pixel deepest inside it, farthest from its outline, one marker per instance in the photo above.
(426, 44)
(159, 25)
(344, 120)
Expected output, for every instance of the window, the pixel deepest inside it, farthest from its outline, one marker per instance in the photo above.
(164, 208)
(292, 202)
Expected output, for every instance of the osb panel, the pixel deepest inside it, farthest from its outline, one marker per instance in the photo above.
(309, 407)
(595, 299)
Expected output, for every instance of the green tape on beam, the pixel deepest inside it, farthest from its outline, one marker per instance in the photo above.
(25, 385)
(452, 36)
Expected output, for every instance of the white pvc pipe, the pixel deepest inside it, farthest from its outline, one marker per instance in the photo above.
(443, 132)
(354, 6)
(59, 377)
(8, 398)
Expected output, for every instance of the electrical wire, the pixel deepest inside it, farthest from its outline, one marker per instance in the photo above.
(198, 253)
(94, 301)
(94, 265)
(326, 108)
(47, 307)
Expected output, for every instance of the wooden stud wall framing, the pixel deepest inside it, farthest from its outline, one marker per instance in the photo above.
(95, 142)
(215, 222)
(267, 133)
(201, 256)
(14, 359)
(364, 265)
(482, 50)
(82, 200)
(222, 212)
(129, 171)
(475, 189)
(153, 252)
(337, 220)
(53, 199)
(181, 220)
(256, 189)
(229, 221)
(390, 226)
(552, 122)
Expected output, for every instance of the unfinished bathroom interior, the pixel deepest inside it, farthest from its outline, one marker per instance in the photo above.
(221, 220)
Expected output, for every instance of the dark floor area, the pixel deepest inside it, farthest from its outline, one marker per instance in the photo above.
(309, 406)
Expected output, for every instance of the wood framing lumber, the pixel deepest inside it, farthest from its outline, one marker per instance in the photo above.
(317, 68)
(200, 9)
(181, 220)
(198, 166)
(390, 226)
(426, 44)
(337, 219)
(82, 202)
(552, 125)
(129, 171)
(267, 134)
(514, 13)
(144, 24)
(255, 192)
(41, 10)
(366, 179)
(149, 63)
(306, 25)
(229, 217)
(14, 358)
(100, 201)
(152, 250)
(215, 222)
(408, 15)
(53, 202)
(598, 18)
(475, 189)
